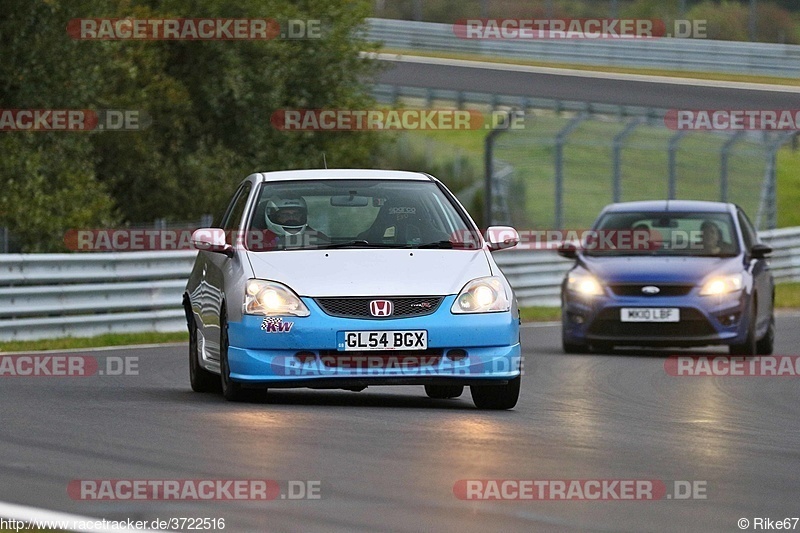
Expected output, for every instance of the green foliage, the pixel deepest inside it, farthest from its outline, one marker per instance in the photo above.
(210, 105)
(48, 187)
(47, 180)
(727, 19)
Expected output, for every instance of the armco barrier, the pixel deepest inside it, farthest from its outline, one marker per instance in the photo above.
(81, 295)
(59, 295)
(700, 55)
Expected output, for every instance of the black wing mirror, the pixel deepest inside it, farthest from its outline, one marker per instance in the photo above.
(760, 251)
(568, 250)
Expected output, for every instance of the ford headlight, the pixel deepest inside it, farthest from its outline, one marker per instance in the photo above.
(719, 285)
(270, 298)
(482, 295)
(584, 284)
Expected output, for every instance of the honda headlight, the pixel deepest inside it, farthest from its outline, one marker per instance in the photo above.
(584, 284)
(270, 298)
(719, 285)
(482, 295)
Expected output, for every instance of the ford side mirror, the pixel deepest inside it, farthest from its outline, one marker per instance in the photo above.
(760, 251)
(568, 250)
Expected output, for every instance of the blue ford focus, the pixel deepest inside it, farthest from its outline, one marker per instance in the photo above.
(688, 273)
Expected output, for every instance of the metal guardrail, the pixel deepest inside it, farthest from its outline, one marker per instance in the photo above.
(389, 94)
(702, 55)
(80, 295)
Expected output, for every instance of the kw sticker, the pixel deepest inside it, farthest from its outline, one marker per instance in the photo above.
(274, 324)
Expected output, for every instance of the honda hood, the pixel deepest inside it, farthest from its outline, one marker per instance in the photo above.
(360, 272)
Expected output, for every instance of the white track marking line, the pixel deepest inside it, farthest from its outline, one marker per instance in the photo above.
(34, 514)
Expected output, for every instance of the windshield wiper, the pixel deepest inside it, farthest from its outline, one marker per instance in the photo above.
(360, 243)
(446, 245)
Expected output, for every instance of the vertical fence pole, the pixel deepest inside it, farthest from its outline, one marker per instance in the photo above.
(673, 151)
(619, 139)
(768, 205)
(725, 153)
(561, 138)
(488, 166)
(753, 22)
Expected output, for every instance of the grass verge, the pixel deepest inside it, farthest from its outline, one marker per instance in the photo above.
(787, 295)
(540, 314)
(110, 339)
(788, 177)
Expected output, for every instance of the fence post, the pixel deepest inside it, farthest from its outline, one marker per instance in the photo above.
(752, 24)
(488, 165)
(723, 164)
(619, 139)
(561, 137)
(673, 150)
(768, 206)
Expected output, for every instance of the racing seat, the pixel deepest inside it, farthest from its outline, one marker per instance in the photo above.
(401, 221)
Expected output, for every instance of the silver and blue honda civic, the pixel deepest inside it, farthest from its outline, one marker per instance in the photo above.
(349, 279)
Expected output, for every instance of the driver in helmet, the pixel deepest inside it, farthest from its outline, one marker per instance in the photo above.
(287, 221)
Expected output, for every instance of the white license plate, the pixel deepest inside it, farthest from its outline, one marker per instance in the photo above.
(385, 340)
(650, 314)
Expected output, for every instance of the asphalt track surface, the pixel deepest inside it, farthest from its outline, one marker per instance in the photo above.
(586, 86)
(388, 458)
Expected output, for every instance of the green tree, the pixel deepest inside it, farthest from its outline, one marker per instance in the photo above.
(210, 104)
(48, 182)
